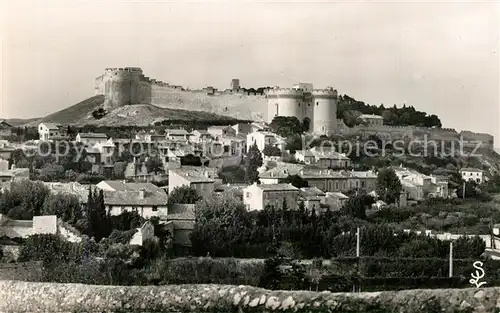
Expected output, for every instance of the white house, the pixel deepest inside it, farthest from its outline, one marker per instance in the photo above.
(263, 139)
(372, 119)
(258, 197)
(219, 131)
(473, 174)
(49, 131)
(91, 139)
(177, 134)
(200, 178)
(146, 199)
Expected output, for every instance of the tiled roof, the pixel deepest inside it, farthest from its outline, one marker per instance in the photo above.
(119, 185)
(51, 126)
(197, 174)
(176, 132)
(470, 169)
(277, 187)
(338, 195)
(93, 135)
(371, 116)
(19, 223)
(133, 198)
(312, 191)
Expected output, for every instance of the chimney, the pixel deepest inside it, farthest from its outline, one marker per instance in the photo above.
(142, 193)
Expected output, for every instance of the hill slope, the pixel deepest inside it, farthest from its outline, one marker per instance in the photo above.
(138, 114)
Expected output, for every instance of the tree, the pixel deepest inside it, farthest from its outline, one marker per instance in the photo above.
(65, 206)
(388, 185)
(286, 126)
(52, 172)
(270, 150)
(296, 181)
(272, 275)
(97, 223)
(355, 207)
(221, 225)
(184, 195)
(252, 163)
(24, 199)
(119, 169)
(154, 165)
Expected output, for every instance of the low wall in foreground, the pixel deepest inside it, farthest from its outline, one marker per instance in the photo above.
(17, 296)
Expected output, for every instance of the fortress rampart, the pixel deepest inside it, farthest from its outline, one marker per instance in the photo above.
(129, 85)
(25, 297)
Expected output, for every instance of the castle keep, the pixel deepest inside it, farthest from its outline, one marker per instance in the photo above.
(316, 107)
(126, 86)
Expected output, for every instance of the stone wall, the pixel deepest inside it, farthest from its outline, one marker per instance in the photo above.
(24, 297)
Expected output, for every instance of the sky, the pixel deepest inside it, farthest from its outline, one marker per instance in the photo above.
(440, 57)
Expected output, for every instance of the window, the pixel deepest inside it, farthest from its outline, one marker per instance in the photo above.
(247, 195)
(317, 103)
(155, 208)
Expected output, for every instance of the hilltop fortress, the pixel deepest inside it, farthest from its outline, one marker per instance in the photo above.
(317, 107)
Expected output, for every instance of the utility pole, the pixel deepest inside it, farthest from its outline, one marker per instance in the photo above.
(357, 243)
(357, 254)
(451, 259)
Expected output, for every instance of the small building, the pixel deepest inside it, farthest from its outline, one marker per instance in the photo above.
(243, 128)
(335, 200)
(312, 197)
(472, 174)
(177, 134)
(46, 224)
(263, 139)
(219, 131)
(146, 199)
(257, 197)
(5, 129)
(372, 119)
(143, 233)
(200, 178)
(180, 222)
(50, 131)
(91, 139)
(201, 136)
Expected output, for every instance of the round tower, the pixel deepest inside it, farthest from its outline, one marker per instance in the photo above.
(121, 86)
(285, 102)
(325, 111)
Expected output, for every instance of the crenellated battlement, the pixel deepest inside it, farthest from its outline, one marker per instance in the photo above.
(285, 92)
(325, 93)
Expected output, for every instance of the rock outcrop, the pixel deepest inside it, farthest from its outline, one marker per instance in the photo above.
(24, 297)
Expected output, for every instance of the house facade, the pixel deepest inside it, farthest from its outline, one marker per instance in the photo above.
(91, 139)
(50, 131)
(472, 174)
(200, 178)
(257, 197)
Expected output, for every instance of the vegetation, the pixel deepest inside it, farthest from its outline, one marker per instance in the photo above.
(348, 109)
(388, 186)
(252, 162)
(184, 195)
(271, 151)
(286, 126)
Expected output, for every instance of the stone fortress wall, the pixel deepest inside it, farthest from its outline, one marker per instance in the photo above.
(24, 297)
(129, 85)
